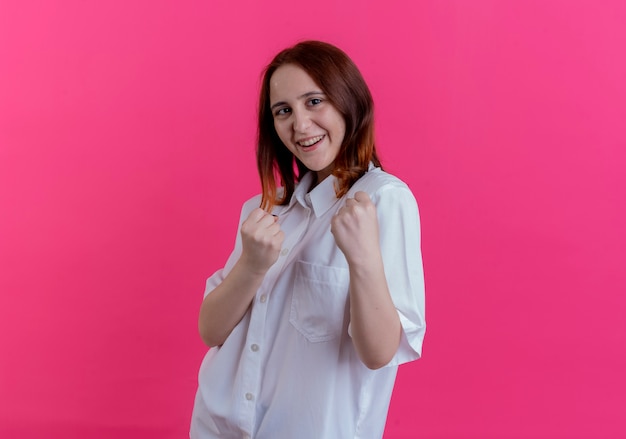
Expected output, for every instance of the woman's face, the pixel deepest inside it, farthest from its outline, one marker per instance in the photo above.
(305, 120)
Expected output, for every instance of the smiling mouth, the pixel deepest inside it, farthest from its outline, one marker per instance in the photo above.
(310, 142)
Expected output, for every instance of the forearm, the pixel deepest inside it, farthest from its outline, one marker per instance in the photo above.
(374, 320)
(225, 306)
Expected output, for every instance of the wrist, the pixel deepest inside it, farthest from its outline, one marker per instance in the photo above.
(365, 262)
(249, 269)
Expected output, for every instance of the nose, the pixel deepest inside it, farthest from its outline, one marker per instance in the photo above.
(301, 121)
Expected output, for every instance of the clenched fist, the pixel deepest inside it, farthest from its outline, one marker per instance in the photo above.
(355, 228)
(261, 240)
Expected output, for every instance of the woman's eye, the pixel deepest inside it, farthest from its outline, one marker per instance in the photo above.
(282, 111)
(315, 101)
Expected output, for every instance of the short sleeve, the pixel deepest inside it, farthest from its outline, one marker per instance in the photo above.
(216, 278)
(399, 228)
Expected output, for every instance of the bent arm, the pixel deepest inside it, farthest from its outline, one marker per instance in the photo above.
(224, 307)
(374, 322)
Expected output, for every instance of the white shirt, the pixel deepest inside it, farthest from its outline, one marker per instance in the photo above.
(289, 369)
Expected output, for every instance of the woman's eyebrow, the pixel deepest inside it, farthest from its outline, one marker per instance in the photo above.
(277, 104)
(305, 95)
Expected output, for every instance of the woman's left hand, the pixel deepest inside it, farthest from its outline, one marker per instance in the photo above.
(355, 228)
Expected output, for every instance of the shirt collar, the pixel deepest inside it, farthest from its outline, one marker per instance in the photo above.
(320, 198)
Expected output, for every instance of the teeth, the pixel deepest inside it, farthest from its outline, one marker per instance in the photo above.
(311, 141)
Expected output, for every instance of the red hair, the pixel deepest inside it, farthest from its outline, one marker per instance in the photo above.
(340, 80)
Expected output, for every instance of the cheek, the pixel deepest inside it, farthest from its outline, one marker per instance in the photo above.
(341, 131)
(281, 131)
(339, 126)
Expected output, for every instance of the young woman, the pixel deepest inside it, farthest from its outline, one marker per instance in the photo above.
(323, 295)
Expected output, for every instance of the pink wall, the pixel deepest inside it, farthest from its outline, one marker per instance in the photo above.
(120, 123)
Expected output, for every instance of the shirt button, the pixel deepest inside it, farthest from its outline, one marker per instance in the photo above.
(284, 252)
(249, 396)
(263, 298)
(254, 347)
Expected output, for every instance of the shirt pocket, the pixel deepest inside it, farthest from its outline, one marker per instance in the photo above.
(319, 301)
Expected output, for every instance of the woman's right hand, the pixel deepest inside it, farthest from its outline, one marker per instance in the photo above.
(261, 241)
(227, 303)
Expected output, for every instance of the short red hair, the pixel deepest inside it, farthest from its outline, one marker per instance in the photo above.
(340, 80)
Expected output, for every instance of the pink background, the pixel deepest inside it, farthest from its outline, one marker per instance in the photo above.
(127, 147)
